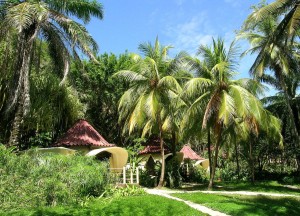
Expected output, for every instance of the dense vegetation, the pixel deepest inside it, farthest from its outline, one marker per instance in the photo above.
(45, 88)
(34, 180)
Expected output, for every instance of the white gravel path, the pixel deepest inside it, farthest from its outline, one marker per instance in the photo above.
(198, 207)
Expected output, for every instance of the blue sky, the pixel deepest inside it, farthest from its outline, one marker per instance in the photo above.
(185, 24)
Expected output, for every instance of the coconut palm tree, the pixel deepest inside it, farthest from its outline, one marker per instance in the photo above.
(145, 106)
(287, 10)
(275, 54)
(217, 99)
(51, 22)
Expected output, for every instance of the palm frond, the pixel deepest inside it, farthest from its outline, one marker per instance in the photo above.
(82, 9)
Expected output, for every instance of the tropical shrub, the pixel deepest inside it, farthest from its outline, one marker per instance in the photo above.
(199, 175)
(33, 180)
(148, 180)
(173, 177)
(128, 190)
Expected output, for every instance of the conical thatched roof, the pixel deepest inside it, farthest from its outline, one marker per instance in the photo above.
(152, 149)
(82, 134)
(188, 153)
(153, 146)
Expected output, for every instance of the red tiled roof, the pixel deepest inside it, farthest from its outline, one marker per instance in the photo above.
(188, 153)
(82, 134)
(152, 149)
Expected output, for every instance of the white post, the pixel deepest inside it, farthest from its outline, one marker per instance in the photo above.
(124, 175)
(137, 176)
(131, 176)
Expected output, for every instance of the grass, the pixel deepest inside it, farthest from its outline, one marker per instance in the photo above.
(134, 205)
(246, 205)
(268, 186)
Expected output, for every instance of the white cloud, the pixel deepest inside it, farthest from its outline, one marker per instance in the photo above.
(190, 35)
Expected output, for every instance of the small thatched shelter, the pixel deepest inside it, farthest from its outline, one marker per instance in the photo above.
(84, 138)
(152, 153)
(190, 154)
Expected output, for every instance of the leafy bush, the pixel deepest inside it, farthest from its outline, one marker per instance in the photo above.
(128, 190)
(195, 174)
(173, 177)
(32, 180)
(148, 180)
(199, 175)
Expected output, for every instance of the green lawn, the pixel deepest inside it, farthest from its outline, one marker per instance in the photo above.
(268, 186)
(135, 205)
(245, 205)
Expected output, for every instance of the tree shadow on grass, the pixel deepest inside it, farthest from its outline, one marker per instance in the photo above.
(124, 206)
(262, 205)
(244, 186)
(260, 187)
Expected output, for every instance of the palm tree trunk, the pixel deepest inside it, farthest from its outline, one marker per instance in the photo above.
(209, 151)
(288, 103)
(251, 161)
(290, 112)
(23, 98)
(15, 131)
(174, 142)
(162, 151)
(236, 157)
(212, 176)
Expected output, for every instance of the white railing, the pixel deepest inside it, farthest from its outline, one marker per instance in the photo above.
(127, 175)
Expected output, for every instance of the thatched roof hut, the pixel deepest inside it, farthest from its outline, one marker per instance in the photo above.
(188, 153)
(82, 134)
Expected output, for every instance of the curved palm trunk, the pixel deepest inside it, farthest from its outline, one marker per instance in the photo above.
(162, 151)
(22, 97)
(214, 165)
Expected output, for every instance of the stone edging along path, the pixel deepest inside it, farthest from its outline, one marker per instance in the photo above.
(204, 209)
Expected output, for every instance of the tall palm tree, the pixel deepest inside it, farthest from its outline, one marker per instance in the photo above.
(287, 10)
(217, 99)
(275, 52)
(49, 21)
(146, 104)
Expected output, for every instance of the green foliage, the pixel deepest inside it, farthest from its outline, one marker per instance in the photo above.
(32, 180)
(194, 174)
(199, 175)
(133, 151)
(148, 178)
(173, 177)
(100, 92)
(128, 190)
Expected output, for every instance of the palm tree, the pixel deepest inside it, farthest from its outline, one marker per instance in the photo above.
(217, 99)
(146, 104)
(275, 53)
(287, 10)
(49, 21)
